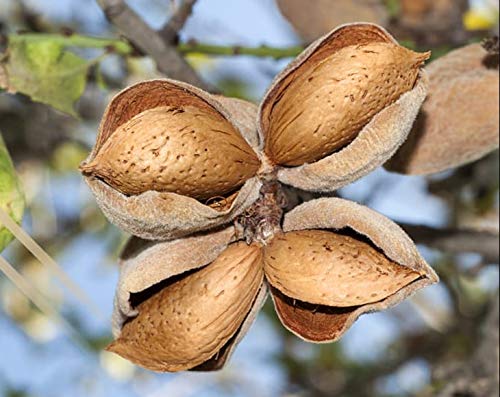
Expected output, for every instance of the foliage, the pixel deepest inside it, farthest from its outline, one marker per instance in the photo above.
(11, 196)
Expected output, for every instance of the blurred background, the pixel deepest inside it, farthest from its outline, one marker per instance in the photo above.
(411, 350)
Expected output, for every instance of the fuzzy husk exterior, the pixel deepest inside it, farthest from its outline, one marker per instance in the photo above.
(337, 214)
(458, 122)
(144, 264)
(163, 215)
(375, 143)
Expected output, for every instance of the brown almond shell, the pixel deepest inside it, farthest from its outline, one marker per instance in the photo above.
(332, 269)
(374, 144)
(458, 122)
(163, 215)
(319, 323)
(145, 265)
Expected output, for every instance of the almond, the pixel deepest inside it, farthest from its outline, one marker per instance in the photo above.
(326, 268)
(186, 150)
(326, 105)
(189, 321)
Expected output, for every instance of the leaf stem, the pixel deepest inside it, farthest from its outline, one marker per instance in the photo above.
(218, 50)
(124, 48)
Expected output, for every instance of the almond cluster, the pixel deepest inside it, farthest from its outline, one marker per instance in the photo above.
(206, 184)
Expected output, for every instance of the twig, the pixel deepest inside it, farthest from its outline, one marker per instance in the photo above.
(262, 51)
(39, 253)
(117, 46)
(475, 376)
(456, 241)
(38, 299)
(170, 30)
(169, 61)
(124, 48)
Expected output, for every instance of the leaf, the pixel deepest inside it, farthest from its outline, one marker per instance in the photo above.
(11, 196)
(45, 71)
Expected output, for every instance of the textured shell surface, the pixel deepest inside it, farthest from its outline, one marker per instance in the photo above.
(327, 268)
(327, 103)
(195, 203)
(188, 321)
(184, 150)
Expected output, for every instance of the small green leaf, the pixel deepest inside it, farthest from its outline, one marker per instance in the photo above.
(11, 196)
(99, 78)
(45, 71)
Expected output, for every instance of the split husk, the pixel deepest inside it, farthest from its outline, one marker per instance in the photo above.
(376, 142)
(379, 268)
(163, 215)
(170, 294)
(459, 121)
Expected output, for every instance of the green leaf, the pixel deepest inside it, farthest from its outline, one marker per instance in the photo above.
(44, 70)
(11, 196)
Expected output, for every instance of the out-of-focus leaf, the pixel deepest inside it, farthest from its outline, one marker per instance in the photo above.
(99, 78)
(11, 197)
(68, 156)
(44, 70)
(314, 18)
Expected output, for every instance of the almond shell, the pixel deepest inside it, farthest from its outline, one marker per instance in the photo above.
(325, 324)
(163, 215)
(375, 143)
(146, 264)
(185, 323)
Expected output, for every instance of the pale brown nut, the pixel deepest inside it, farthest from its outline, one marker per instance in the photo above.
(459, 121)
(195, 319)
(327, 105)
(318, 17)
(183, 150)
(203, 169)
(332, 269)
(323, 280)
(375, 98)
(145, 263)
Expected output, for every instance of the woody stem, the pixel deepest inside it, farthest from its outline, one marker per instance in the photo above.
(262, 220)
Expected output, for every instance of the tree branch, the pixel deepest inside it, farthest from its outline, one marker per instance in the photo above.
(170, 30)
(192, 47)
(124, 48)
(456, 241)
(147, 40)
(478, 375)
